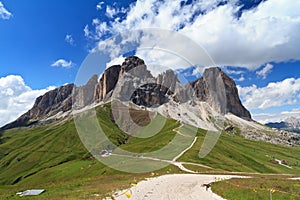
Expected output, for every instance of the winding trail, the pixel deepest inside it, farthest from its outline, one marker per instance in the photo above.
(177, 186)
(185, 150)
(174, 160)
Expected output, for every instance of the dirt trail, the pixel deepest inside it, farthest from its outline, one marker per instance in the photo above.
(185, 150)
(174, 187)
(173, 161)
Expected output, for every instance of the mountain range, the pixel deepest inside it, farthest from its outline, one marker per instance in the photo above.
(152, 91)
(290, 124)
(198, 103)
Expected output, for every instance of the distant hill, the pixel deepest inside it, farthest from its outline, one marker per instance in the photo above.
(290, 124)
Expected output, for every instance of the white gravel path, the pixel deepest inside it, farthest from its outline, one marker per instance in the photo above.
(175, 187)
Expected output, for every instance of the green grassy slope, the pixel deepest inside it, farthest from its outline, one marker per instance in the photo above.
(258, 188)
(234, 153)
(27, 151)
(52, 156)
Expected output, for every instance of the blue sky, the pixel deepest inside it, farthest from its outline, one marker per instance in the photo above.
(43, 45)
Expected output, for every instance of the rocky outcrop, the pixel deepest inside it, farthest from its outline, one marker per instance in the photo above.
(133, 74)
(84, 95)
(132, 81)
(107, 83)
(220, 92)
(132, 62)
(59, 99)
(160, 91)
(152, 94)
(124, 75)
(168, 79)
(49, 104)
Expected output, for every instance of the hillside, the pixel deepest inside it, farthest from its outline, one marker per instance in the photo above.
(198, 103)
(101, 136)
(52, 157)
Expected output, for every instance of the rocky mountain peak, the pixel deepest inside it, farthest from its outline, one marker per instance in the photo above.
(84, 95)
(132, 81)
(220, 91)
(132, 62)
(107, 83)
(293, 122)
(168, 79)
(212, 71)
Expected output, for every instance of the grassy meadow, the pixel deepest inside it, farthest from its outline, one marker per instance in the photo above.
(52, 157)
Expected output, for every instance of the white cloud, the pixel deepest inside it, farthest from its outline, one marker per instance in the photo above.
(267, 33)
(235, 72)
(16, 97)
(295, 112)
(275, 94)
(276, 116)
(116, 61)
(99, 5)
(241, 79)
(272, 103)
(86, 31)
(158, 49)
(4, 13)
(62, 63)
(111, 12)
(69, 39)
(265, 71)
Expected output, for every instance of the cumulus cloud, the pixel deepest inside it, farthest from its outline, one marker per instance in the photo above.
(16, 97)
(275, 94)
(264, 34)
(110, 11)
(276, 116)
(62, 63)
(4, 13)
(274, 102)
(69, 39)
(265, 71)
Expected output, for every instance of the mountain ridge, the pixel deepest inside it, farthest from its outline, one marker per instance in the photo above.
(290, 124)
(163, 88)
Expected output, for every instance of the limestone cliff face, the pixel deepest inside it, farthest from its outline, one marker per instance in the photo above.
(84, 95)
(107, 83)
(132, 81)
(139, 86)
(220, 91)
(125, 75)
(59, 99)
(168, 79)
(49, 104)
